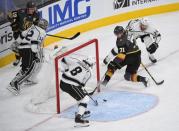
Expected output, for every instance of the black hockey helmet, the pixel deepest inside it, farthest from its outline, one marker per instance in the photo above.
(31, 4)
(118, 29)
(31, 7)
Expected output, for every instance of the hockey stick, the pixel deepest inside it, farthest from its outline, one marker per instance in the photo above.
(4, 50)
(157, 83)
(95, 101)
(98, 84)
(91, 93)
(68, 38)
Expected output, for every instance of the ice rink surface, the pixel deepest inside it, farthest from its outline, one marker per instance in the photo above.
(163, 117)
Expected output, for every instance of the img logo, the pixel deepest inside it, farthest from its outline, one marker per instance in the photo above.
(66, 12)
(121, 3)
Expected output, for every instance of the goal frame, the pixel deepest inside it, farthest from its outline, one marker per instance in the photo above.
(57, 81)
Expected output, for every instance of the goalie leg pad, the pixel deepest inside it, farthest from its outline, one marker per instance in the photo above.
(24, 75)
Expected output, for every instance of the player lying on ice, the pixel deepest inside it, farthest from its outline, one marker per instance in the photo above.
(125, 53)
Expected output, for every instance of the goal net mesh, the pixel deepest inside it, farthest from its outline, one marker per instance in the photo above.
(47, 96)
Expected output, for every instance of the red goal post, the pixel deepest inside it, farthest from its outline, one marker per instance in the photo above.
(93, 41)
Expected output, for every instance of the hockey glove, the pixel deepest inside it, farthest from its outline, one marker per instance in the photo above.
(119, 59)
(106, 60)
(152, 48)
(82, 85)
(14, 46)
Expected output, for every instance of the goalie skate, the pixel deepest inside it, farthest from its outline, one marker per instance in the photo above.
(14, 89)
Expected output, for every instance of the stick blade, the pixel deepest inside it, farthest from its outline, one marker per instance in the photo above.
(160, 83)
(76, 35)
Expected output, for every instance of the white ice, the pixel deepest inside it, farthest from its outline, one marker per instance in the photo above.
(164, 117)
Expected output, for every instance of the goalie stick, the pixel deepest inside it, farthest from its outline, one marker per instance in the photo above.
(157, 83)
(68, 38)
(4, 50)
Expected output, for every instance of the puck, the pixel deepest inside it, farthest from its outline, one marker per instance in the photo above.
(104, 100)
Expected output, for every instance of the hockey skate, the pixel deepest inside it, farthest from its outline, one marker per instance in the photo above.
(80, 122)
(14, 88)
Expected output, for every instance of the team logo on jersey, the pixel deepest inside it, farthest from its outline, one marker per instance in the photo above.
(121, 3)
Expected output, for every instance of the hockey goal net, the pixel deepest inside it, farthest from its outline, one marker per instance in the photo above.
(49, 94)
(78, 52)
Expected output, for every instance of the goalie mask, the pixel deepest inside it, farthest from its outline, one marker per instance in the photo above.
(43, 24)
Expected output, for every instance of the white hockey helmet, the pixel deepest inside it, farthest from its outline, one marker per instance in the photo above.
(89, 62)
(144, 21)
(43, 23)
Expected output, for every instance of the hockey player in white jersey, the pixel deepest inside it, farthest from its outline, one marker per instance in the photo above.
(30, 50)
(141, 28)
(75, 75)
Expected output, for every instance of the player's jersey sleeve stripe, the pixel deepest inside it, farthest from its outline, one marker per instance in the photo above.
(71, 79)
(34, 42)
(113, 52)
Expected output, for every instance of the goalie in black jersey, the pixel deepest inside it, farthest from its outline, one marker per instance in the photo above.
(75, 75)
(125, 53)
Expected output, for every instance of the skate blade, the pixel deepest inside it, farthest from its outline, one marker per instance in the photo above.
(79, 125)
(86, 116)
(13, 91)
(29, 84)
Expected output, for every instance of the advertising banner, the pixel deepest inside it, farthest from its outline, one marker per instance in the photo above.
(65, 14)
